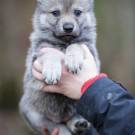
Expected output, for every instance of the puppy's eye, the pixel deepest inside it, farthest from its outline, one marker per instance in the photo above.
(77, 12)
(56, 13)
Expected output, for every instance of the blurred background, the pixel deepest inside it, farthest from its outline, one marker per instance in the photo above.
(116, 45)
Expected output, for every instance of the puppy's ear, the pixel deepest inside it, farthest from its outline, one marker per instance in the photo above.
(39, 1)
(91, 1)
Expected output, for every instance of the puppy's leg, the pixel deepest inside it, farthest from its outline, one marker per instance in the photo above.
(38, 122)
(74, 58)
(32, 118)
(78, 125)
(63, 130)
(51, 67)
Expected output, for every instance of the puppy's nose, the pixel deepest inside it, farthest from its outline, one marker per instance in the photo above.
(68, 27)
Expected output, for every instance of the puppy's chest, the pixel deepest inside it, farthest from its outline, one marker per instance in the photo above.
(53, 43)
(54, 106)
(60, 46)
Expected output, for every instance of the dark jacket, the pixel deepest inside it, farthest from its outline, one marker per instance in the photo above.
(109, 107)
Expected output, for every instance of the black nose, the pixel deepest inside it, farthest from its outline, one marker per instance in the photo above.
(68, 27)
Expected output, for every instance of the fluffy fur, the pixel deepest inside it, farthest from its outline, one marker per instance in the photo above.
(42, 109)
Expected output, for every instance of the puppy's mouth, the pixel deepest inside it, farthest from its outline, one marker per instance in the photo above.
(66, 38)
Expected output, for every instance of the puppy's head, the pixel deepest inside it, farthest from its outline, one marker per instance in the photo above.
(66, 19)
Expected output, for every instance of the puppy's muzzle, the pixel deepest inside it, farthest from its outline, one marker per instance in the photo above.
(68, 27)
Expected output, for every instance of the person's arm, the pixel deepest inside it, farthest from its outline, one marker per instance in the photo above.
(109, 107)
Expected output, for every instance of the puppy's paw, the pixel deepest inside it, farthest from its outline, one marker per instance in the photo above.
(73, 62)
(78, 125)
(52, 73)
(74, 58)
(81, 126)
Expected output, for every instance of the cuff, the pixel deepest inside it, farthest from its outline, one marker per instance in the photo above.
(88, 83)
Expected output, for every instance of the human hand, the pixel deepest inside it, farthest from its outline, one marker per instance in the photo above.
(70, 84)
(54, 132)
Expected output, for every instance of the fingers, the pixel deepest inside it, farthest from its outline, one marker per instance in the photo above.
(37, 66)
(37, 70)
(87, 52)
(51, 88)
(55, 132)
(37, 74)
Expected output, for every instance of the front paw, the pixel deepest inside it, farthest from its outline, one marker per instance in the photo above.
(73, 62)
(51, 73)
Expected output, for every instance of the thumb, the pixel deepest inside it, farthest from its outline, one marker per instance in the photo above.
(89, 59)
(51, 89)
(55, 132)
(87, 53)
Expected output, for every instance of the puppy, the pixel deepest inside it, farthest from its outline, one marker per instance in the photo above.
(64, 25)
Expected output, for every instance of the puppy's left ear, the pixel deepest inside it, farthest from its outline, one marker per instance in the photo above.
(92, 1)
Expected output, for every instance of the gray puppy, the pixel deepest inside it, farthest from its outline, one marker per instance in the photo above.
(64, 25)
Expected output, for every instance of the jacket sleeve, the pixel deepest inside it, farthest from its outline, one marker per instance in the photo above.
(109, 107)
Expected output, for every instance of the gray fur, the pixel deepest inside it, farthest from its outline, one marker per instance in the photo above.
(41, 109)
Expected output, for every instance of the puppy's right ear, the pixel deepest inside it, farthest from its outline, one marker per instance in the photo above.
(39, 1)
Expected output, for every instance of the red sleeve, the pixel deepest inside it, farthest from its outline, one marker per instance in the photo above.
(88, 83)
